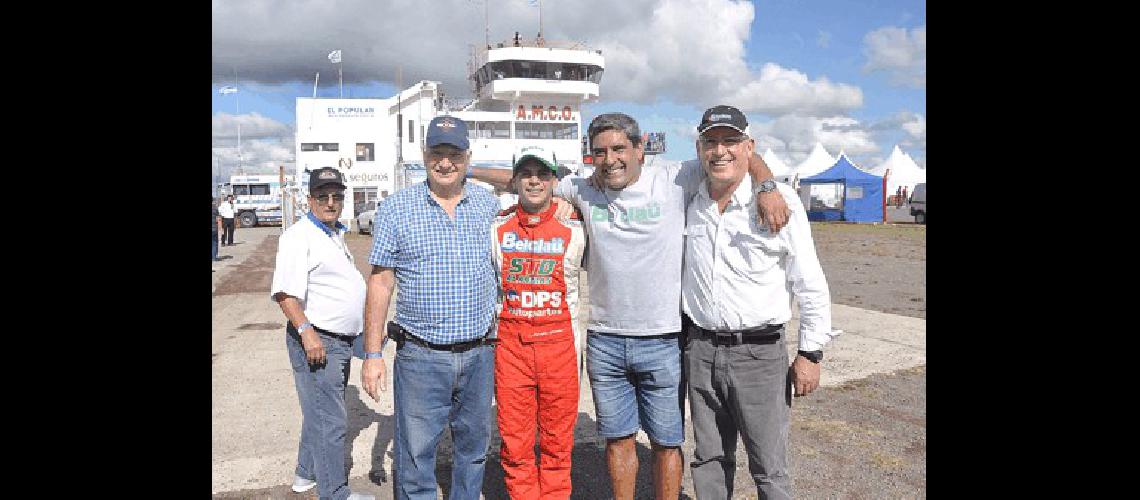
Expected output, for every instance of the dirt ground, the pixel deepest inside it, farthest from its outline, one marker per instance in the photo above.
(862, 440)
(878, 267)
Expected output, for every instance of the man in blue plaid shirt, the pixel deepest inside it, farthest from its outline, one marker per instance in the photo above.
(434, 240)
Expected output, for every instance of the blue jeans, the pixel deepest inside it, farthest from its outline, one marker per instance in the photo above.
(320, 389)
(637, 380)
(214, 256)
(433, 389)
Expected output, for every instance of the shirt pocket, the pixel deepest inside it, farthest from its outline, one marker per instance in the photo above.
(759, 256)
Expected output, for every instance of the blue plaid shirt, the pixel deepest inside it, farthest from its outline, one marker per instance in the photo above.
(443, 268)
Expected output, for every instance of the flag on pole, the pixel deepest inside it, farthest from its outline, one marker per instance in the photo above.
(334, 56)
(533, 3)
(227, 90)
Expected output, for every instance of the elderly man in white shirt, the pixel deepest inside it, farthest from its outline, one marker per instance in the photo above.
(737, 287)
(320, 290)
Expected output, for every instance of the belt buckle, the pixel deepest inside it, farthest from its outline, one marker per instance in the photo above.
(721, 339)
(462, 346)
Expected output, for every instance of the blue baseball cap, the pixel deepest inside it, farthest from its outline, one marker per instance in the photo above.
(447, 130)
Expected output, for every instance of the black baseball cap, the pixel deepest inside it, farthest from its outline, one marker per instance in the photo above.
(325, 176)
(723, 116)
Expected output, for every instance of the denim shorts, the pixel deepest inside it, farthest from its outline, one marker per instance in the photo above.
(637, 380)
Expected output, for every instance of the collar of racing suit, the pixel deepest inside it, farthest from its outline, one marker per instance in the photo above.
(528, 219)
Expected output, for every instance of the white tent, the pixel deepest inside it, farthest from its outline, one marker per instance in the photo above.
(780, 170)
(817, 161)
(903, 171)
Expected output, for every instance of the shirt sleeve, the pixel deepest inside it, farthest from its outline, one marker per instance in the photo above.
(689, 176)
(806, 276)
(566, 188)
(386, 240)
(291, 274)
(489, 201)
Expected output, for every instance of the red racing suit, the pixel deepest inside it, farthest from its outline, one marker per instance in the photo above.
(536, 362)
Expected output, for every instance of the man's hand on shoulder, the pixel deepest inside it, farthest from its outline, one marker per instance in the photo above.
(773, 210)
(564, 209)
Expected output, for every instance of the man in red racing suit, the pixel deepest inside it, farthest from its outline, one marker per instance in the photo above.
(536, 362)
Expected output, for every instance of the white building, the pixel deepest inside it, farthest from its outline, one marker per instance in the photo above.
(531, 93)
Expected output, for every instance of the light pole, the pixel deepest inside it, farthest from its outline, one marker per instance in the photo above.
(237, 116)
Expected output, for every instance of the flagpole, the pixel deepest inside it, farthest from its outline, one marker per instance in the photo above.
(230, 89)
(315, 81)
(237, 107)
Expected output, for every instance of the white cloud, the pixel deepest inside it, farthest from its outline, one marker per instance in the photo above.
(792, 137)
(899, 53)
(253, 126)
(915, 142)
(680, 50)
(916, 127)
(779, 91)
(265, 144)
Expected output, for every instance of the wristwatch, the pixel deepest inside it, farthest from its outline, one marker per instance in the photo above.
(813, 356)
(304, 326)
(766, 186)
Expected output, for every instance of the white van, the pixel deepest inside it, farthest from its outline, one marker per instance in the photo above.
(918, 203)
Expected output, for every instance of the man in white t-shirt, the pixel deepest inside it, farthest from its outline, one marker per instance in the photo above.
(226, 209)
(321, 292)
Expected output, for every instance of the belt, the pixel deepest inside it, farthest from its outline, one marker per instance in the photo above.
(624, 336)
(334, 334)
(766, 334)
(456, 347)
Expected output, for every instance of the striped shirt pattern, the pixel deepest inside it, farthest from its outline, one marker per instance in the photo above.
(443, 267)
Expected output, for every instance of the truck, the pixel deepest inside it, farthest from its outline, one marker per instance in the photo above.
(257, 198)
(918, 203)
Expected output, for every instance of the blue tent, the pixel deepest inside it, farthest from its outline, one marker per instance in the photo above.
(843, 192)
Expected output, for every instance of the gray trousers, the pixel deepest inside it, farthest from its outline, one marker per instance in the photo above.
(742, 388)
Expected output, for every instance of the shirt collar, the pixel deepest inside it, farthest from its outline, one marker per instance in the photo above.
(741, 196)
(530, 220)
(427, 193)
(325, 228)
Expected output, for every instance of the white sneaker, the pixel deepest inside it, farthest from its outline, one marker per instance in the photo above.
(301, 484)
(361, 496)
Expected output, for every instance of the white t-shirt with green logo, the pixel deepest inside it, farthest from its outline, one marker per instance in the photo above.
(636, 239)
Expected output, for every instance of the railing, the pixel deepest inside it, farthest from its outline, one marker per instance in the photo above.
(479, 54)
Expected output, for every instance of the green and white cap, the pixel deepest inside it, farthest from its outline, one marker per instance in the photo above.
(543, 155)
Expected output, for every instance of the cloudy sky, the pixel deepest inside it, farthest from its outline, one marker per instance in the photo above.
(850, 74)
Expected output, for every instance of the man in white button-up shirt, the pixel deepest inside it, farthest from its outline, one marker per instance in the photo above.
(737, 287)
(321, 292)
